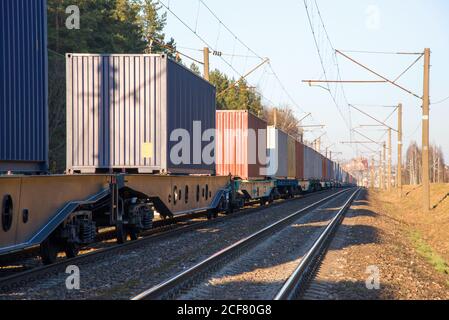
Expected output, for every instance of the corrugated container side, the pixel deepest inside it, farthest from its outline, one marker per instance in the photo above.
(299, 161)
(123, 109)
(277, 148)
(330, 166)
(319, 168)
(291, 157)
(191, 105)
(310, 163)
(240, 144)
(324, 168)
(23, 86)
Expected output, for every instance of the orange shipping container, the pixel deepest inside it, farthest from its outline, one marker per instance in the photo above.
(241, 144)
(291, 157)
(299, 161)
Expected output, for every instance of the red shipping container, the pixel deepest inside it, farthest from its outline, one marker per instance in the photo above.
(299, 161)
(241, 144)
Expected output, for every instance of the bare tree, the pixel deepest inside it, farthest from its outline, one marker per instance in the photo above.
(414, 165)
(285, 120)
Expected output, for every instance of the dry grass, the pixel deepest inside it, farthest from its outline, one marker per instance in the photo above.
(429, 232)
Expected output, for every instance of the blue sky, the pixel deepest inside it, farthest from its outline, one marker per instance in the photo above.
(280, 31)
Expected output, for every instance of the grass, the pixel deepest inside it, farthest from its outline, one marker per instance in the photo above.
(426, 251)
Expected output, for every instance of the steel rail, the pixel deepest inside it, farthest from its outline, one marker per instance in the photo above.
(298, 280)
(170, 287)
(21, 279)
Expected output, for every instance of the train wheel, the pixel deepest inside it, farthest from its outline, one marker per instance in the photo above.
(134, 234)
(49, 251)
(121, 234)
(210, 215)
(71, 250)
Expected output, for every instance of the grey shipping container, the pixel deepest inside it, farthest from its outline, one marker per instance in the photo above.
(123, 109)
(277, 148)
(313, 164)
(23, 86)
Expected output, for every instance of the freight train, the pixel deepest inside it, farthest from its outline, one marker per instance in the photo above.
(143, 138)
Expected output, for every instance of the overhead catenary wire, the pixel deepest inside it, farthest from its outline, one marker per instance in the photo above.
(234, 55)
(406, 70)
(317, 40)
(237, 39)
(382, 52)
(440, 101)
(230, 31)
(167, 7)
(282, 86)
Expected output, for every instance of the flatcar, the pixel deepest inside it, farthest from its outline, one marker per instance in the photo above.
(141, 136)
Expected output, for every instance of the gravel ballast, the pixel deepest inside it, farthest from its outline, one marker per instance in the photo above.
(261, 272)
(372, 245)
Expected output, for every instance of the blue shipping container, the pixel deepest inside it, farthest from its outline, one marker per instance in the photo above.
(23, 86)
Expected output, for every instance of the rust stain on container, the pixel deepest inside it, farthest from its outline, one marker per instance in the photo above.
(240, 144)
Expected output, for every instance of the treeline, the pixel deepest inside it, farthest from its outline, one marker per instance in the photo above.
(438, 170)
(129, 26)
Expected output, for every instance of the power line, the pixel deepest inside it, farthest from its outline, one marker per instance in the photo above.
(230, 31)
(406, 70)
(382, 52)
(197, 35)
(441, 101)
(415, 131)
(317, 41)
(218, 53)
(194, 31)
(348, 123)
(282, 86)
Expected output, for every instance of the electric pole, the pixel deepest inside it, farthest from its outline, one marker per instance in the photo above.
(399, 173)
(389, 160)
(425, 133)
(384, 166)
(372, 173)
(275, 117)
(381, 182)
(206, 63)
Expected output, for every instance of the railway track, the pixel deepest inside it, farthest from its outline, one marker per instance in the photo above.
(21, 279)
(179, 284)
(299, 279)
